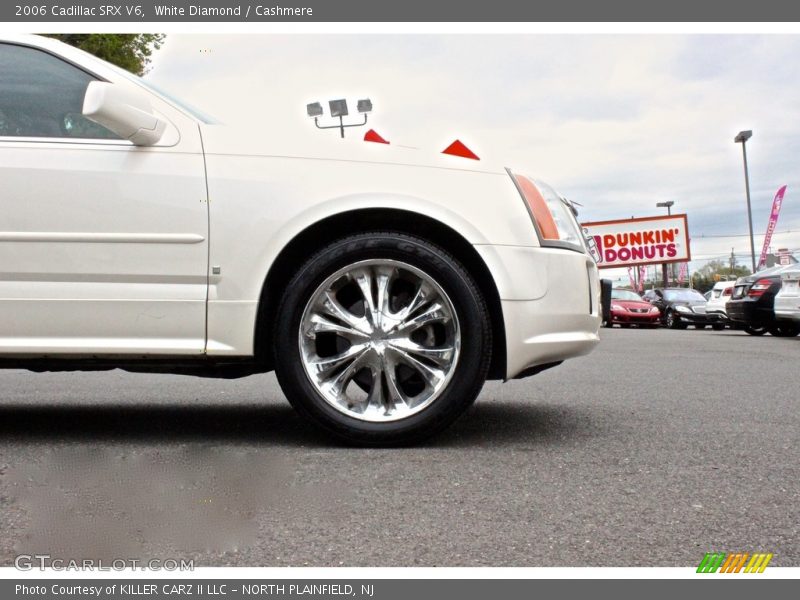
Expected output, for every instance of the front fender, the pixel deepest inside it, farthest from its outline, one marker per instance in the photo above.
(257, 205)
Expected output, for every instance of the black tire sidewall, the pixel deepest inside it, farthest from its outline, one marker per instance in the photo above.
(784, 330)
(470, 308)
(756, 331)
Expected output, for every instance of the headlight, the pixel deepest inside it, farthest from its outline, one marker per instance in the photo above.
(654, 309)
(683, 309)
(616, 307)
(551, 215)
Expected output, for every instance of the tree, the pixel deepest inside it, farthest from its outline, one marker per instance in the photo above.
(723, 268)
(131, 51)
(716, 270)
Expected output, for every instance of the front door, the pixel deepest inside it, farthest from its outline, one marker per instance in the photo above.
(103, 245)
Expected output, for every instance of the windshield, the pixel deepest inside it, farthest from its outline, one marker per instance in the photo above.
(684, 296)
(624, 295)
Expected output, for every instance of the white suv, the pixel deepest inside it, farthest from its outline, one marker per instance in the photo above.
(382, 284)
(720, 294)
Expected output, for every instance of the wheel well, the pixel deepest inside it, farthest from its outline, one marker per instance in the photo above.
(341, 225)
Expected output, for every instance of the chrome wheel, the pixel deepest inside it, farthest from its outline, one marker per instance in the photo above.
(379, 340)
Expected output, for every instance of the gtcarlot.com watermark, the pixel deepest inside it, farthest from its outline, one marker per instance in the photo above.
(30, 562)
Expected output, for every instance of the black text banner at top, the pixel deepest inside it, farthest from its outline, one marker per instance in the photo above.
(464, 11)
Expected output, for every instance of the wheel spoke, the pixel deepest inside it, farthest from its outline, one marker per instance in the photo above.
(397, 397)
(321, 324)
(332, 306)
(430, 375)
(440, 355)
(374, 285)
(324, 366)
(422, 296)
(384, 280)
(364, 280)
(376, 399)
(338, 384)
(434, 313)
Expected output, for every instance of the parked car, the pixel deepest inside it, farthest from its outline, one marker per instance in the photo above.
(787, 300)
(628, 308)
(382, 284)
(719, 296)
(681, 307)
(753, 303)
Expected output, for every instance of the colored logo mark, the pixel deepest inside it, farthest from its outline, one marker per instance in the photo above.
(737, 562)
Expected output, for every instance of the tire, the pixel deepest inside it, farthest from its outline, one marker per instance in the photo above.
(415, 269)
(755, 330)
(625, 325)
(672, 321)
(608, 324)
(785, 330)
(700, 326)
(718, 327)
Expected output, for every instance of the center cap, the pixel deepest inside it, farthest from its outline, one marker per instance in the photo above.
(379, 345)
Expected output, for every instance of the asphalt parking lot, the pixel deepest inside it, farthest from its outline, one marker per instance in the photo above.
(659, 447)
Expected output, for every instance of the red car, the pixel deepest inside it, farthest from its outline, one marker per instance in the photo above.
(628, 308)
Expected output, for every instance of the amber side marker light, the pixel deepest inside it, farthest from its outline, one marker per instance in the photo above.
(538, 208)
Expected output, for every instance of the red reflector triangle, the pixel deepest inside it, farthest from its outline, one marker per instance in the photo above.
(459, 149)
(373, 136)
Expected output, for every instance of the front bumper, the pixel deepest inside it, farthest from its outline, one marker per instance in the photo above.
(719, 312)
(631, 318)
(551, 303)
(700, 318)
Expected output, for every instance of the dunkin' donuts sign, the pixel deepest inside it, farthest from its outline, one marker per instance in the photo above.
(646, 241)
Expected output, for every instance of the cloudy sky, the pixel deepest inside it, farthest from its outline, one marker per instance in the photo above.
(615, 122)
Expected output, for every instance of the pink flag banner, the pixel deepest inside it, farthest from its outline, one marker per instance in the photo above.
(683, 272)
(631, 277)
(642, 277)
(773, 222)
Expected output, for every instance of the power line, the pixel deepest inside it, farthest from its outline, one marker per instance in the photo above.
(733, 235)
(738, 255)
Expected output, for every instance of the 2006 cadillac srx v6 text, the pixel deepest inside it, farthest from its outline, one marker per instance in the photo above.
(382, 284)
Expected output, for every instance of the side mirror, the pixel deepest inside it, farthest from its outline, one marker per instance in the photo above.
(123, 111)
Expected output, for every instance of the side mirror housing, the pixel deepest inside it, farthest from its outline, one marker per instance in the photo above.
(123, 111)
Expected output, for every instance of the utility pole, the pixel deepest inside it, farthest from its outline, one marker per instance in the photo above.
(733, 262)
(668, 205)
(742, 138)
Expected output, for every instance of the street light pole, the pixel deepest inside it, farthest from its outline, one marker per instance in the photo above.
(668, 205)
(742, 138)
